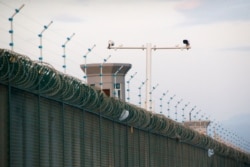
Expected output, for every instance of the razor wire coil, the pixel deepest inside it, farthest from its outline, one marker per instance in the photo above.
(18, 70)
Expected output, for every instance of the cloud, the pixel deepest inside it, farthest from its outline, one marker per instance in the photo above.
(239, 122)
(240, 48)
(206, 12)
(188, 4)
(68, 18)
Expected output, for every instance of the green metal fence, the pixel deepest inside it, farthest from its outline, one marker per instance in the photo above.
(48, 118)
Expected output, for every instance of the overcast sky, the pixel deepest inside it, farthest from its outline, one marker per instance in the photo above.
(213, 75)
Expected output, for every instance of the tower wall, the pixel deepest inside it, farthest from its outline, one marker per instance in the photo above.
(93, 73)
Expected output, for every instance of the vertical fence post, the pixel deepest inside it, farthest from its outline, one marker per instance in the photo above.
(11, 31)
(41, 41)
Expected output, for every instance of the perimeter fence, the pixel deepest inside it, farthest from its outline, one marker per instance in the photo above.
(48, 118)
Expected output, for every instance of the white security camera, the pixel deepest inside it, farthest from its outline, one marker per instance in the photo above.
(124, 115)
(110, 43)
(210, 152)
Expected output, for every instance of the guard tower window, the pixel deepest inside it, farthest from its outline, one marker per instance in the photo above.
(117, 86)
(119, 94)
(107, 92)
(117, 90)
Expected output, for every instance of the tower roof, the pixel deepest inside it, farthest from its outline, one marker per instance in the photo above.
(108, 68)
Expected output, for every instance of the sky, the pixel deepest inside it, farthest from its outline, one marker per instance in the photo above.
(213, 75)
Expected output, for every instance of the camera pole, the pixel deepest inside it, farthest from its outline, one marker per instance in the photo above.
(149, 49)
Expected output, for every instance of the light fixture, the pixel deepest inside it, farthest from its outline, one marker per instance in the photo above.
(124, 115)
(210, 152)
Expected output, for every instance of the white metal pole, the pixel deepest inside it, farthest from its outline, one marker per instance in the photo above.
(85, 63)
(176, 109)
(150, 97)
(11, 31)
(101, 76)
(183, 114)
(128, 98)
(101, 66)
(170, 99)
(85, 69)
(128, 82)
(163, 95)
(64, 60)
(148, 74)
(64, 51)
(41, 41)
(190, 112)
(115, 93)
(115, 89)
(140, 91)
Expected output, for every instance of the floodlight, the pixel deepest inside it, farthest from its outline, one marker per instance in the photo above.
(124, 115)
(110, 43)
(210, 152)
(186, 42)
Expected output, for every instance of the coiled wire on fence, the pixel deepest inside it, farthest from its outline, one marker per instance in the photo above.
(41, 78)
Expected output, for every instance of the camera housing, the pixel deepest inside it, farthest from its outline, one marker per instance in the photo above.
(110, 44)
(186, 42)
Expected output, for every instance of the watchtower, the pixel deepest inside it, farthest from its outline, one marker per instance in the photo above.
(198, 125)
(110, 77)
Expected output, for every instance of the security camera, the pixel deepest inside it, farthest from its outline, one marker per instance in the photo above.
(186, 42)
(210, 152)
(124, 115)
(110, 43)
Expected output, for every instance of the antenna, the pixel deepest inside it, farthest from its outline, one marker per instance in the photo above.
(163, 95)
(176, 108)
(151, 92)
(64, 51)
(11, 31)
(140, 91)
(170, 99)
(85, 62)
(149, 49)
(41, 41)
(115, 85)
(101, 72)
(128, 82)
